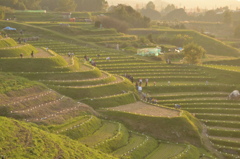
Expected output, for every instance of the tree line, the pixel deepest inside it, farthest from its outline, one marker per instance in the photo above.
(56, 5)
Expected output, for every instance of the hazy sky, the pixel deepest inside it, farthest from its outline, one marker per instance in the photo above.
(210, 4)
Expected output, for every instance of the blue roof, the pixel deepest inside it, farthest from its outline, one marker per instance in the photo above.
(9, 28)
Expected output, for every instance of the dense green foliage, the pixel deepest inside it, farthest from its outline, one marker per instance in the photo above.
(56, 5)
(129, 15)
(193, 53)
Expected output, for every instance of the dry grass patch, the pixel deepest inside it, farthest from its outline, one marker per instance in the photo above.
(147, 109)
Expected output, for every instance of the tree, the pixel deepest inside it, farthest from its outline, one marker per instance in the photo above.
(109, 22)
(21, 4)
(237, 31)
(91, 5)
(66, 5)
(227, 17)
(177, 14)
(168, 9)
(193, 53)
(150, 5)
(129, 15)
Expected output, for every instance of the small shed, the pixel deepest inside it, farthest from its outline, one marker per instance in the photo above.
(149, 51)
(66, 15)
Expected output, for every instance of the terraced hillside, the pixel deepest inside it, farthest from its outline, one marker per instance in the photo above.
(198, 90)
(22, 140)
(79, 80)
(211, 45)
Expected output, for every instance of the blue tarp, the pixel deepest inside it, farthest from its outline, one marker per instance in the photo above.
(9, 28)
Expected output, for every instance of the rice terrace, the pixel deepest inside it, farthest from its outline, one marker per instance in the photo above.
(101, 80)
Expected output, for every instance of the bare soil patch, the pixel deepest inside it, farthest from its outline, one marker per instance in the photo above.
(147, 109)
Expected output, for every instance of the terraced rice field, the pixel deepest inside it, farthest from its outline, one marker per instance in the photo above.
(83, 82)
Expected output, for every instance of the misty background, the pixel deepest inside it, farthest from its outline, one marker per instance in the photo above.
(160, 4)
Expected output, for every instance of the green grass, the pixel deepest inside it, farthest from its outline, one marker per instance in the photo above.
(211, 45)
(32, 64)
(110, 101)
(165, 151)
(20, 140)
(7, 42)
(135, 140)
(94, 91)
(9, 82)
(227, 64)
(85, 127)
(17, 50)
(107, 138)
(143, 150)
(65, 75)
(185, 126)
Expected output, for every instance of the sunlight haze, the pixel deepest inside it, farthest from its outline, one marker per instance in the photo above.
(208, 4)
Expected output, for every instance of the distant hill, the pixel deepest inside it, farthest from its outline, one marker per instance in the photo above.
(182, 3)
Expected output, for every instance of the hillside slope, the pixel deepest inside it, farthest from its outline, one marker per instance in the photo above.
(19, 140)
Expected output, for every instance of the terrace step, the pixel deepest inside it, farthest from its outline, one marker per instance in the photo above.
(189, 95)
(111, 100)
(166, 151)
(114, 81)
(139, 145)
(234, 142)
(210, 105)
(107, 138)
(104, 79)
(213, 110)
(79, 127)
(220, 117)
(220, 123)
(146, 109)
(107, 130)
(223, 128)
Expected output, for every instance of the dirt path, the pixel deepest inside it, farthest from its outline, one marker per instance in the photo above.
(147, 109)
(68, 59)
(207, 144)
(42, 54)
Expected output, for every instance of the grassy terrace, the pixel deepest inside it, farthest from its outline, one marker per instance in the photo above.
(39, 143)
(90, 85)
(7, 42)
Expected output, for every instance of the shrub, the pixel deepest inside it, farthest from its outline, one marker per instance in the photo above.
(109, 22)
